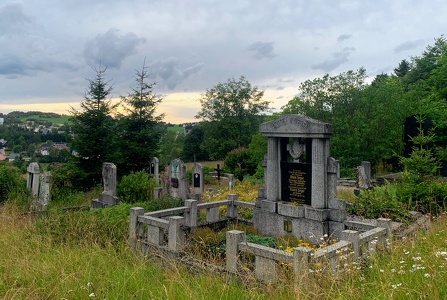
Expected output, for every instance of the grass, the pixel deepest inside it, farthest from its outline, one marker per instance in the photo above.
(79, 255)
(61, 120)
(34, 266)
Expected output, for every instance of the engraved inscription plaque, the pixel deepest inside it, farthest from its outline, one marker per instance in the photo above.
(174, 182)
(196, 182)
(296, 182)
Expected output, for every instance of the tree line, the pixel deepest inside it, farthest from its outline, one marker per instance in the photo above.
(367, 119)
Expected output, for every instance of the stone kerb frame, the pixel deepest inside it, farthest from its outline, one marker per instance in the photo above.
(320, 213)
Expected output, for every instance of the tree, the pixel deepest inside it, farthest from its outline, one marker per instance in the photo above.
(402, 69)
(93, 128)
(231, 114)
(139, 128)
(191, 148)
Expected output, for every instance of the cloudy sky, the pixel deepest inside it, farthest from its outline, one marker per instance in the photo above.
(48, 47)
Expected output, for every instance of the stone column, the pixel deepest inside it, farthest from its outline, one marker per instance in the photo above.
(272, 177)
(319, 176)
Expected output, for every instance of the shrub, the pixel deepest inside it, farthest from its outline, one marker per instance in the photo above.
(382, 201)
(136, 187)
(11, 183)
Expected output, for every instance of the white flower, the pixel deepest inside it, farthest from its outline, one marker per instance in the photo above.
(92, 295)
(426, 275)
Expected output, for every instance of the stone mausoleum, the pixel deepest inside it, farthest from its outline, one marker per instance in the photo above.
(299, 196)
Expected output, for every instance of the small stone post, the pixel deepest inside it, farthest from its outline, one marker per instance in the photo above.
(134, 228)
(301, 261)
(191, 215)
(387, 224)
(176, 237)
(234, 237)
(353, 237)
(232, 208)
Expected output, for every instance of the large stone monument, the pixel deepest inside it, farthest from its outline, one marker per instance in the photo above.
(299, 196)
(108, 196)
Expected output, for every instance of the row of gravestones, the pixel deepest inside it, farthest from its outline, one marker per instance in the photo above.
(175, 182)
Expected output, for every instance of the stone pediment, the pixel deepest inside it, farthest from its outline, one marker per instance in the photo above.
(296, 126)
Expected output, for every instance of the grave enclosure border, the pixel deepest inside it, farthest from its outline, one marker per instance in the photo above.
(147, 231)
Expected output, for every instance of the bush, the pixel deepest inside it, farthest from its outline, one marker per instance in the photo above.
(384, 201)
(136, 187)
(11, 183)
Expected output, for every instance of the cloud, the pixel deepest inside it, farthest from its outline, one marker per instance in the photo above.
(261, 50)
(279, 88)
(111, 49)
(169, 71)
(279, 97)
(344, 37)
(338, 59)
(408, 45)
(13, 20)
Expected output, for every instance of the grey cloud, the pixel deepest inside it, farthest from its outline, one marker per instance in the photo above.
(408, 45)
(338, 59)
(287, 80)
(279, 88)
(344, 37)
(13, 20)
(261, 50)
(170, 72)
(111, 49)
(279, 97)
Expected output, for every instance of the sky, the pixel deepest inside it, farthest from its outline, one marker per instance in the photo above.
(49, 48)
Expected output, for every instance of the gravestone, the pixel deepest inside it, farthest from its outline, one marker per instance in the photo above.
(153, 170)
(41, 202)
(33, 179)
(197, 179)
(299, 195)
(108, 196)
(363, 176)
(177, 177)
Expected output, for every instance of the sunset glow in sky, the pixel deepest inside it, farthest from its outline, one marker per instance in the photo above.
(50, 46)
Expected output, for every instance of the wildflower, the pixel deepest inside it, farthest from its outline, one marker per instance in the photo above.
(394, 286)
(92, 295)
(393, 270)
(89, 284)
(427, 275)
(381, 271)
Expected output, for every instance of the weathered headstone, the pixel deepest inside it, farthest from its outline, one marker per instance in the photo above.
(300, 181)
(108, 196)
(197, 179)
(363, 177)
(41, 202)
(32, 182)
(179, 183)
(153, 170)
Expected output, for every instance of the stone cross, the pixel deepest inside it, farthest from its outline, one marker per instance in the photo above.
(218, 170)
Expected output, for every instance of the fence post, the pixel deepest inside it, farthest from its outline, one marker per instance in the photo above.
(353, 237)
(301, 260)
(231, 208)
(387, 224)
(191, 215)
(176, 237)
(134, 228)
(234, 237)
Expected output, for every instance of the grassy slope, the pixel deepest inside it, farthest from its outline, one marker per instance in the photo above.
(63, 119)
